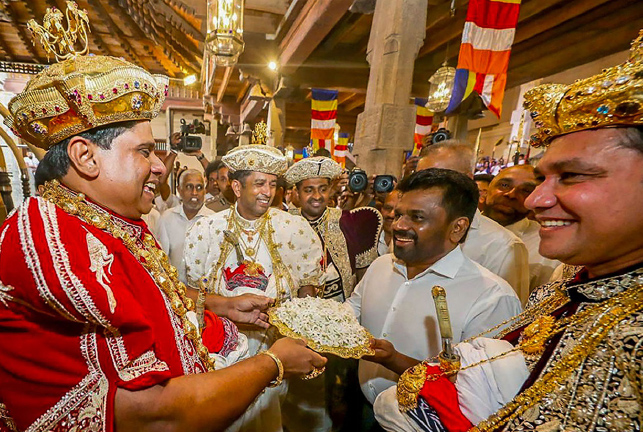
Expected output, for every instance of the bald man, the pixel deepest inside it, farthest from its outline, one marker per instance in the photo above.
(487, 243)
(175, 222)
(505, 203)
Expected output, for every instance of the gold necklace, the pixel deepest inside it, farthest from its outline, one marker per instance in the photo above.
(266, 233)
(150, 256)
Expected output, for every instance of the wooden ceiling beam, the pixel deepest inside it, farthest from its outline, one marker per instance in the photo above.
(315, 21)
(345, 98)
(592, 25)
(23, 34)
(356, 104)
(545, 22)
(243, 90)
(5, 48)
(571, 49)
(224, 84)
(107, 19)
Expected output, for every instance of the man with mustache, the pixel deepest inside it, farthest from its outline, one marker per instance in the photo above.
(505, 204)
(349, 239)
(393, 300)
(256, 249)
(96, 329)
(489, 244)
(175, 222)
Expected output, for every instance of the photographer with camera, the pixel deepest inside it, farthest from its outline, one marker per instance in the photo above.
(365, 191)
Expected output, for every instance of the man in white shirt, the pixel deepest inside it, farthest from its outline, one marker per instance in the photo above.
(393, 300)
(174, 222)
(489, 244)
(506, 205)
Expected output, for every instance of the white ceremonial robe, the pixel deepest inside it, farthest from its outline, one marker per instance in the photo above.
(300, 250)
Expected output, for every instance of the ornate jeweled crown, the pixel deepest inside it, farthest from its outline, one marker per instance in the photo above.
(81, 92)
(256, 157)
(313, 167)
(610, 99)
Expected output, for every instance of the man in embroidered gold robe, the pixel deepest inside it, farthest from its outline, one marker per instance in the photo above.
(252, 248)
(349, 239)
(573, 360)
(96, 330)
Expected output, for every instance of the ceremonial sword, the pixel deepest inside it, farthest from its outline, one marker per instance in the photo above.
(449, 360)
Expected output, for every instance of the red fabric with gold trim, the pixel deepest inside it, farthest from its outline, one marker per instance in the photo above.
(361, 228)
(62, 341)
(442, 396)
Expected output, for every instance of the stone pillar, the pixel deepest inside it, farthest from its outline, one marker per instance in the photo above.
(385, 128)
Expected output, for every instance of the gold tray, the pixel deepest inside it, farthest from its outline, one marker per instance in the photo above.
(354, 352)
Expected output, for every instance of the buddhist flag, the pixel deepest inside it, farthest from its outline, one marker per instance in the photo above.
(423, 122)
(297, 155)
(484, 53)
(341, 149)
(323, 116)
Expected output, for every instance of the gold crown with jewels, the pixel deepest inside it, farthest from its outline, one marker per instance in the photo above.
(612, 98)
(80, 92)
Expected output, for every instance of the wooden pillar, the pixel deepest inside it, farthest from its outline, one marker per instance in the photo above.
(385, 128)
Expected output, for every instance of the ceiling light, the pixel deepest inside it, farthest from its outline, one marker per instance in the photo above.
(189, 80)
(272, 65)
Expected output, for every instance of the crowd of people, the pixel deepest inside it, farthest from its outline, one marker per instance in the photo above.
(125, 306)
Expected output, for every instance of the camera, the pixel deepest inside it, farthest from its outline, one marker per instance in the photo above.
(441, 134)
(189, 142)
(357, 180)
(383, 183)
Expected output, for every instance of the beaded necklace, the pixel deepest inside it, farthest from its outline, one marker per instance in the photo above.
(148, 254)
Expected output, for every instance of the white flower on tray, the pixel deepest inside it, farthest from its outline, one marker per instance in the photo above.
(326, 326)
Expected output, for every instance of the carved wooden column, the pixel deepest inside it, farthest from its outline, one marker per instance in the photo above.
(385, 128)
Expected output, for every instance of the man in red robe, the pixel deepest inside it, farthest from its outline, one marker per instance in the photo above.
(96, 329)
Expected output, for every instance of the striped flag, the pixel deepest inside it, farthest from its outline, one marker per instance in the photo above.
(341, 149)
(297, 156)
(423, 122)
(484, 53)
(323, 116)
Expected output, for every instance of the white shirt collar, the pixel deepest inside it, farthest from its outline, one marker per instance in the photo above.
(179, 210)
(475, 223)
(446, 266)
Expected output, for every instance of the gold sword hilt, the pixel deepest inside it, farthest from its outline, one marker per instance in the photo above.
(449, 360)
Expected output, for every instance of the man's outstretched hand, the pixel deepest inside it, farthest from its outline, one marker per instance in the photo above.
(389, 357)
(248, 309)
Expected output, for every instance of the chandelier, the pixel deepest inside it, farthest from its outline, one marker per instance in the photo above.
(225, 31)
(440, 89)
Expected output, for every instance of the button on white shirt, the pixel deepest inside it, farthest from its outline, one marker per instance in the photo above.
(171, 230)
(402, 311)
(500, 251)
(540, 268)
